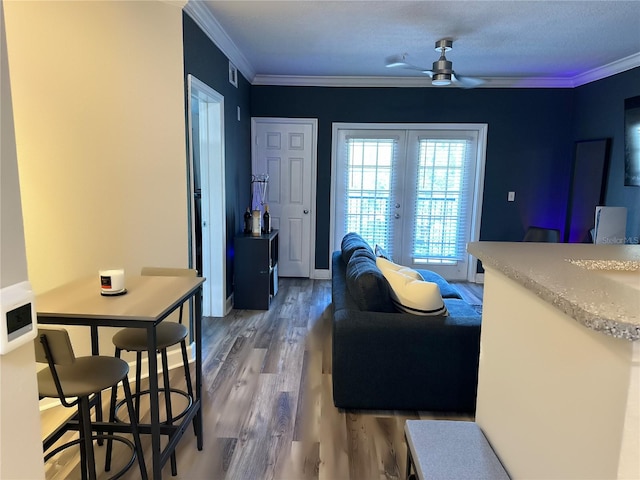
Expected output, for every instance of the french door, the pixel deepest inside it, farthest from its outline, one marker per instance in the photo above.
(414, 190)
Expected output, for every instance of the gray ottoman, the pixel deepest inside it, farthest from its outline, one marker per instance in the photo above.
(445, 450)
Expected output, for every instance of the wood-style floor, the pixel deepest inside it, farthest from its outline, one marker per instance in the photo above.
(267, 402)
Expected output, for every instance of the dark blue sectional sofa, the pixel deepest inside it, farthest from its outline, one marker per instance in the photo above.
(386, 360)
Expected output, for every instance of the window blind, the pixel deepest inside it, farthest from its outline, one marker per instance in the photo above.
(368, 190)
(441, 206)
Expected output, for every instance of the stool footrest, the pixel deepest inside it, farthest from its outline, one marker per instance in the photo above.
(147, 392)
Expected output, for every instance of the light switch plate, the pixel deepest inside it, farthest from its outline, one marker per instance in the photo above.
(511, 197)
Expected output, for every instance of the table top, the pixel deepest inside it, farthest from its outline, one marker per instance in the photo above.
(597, 285)
(148, 299)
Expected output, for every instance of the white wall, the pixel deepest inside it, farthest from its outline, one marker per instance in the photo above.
(98, 95)
(20, 456)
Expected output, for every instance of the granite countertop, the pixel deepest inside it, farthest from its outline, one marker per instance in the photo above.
(597, 285)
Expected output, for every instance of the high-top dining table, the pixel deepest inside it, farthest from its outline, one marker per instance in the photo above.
(148, 301)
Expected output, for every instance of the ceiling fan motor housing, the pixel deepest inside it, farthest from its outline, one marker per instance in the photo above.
(442, 71)
(442, 65)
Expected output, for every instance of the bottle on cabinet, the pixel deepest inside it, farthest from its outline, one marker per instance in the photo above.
(266, 220)
(247, 221)
(255, 223)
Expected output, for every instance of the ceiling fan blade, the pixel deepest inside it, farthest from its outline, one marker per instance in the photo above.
(398, 61)
(467, 82)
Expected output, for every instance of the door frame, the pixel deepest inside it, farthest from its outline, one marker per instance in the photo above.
(313, 122)
(213, 201)
(476, 208)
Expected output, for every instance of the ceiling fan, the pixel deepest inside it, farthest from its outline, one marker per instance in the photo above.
(442, 71)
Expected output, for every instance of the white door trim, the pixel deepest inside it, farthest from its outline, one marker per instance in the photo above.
(212, 168)
(313, 122)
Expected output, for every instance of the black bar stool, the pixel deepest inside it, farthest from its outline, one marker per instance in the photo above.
(82, 377)
(168, 334)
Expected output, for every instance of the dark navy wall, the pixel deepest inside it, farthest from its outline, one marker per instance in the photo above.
(206, 62)
(600, 114)
(529, 148)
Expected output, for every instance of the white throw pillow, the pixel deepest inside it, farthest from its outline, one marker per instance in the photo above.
(414, 296)
(385, 265)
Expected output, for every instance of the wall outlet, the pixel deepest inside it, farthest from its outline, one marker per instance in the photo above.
(511, 197)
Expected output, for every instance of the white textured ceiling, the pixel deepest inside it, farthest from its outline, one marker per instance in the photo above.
(518, 42)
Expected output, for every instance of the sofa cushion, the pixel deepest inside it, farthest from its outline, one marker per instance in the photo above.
(351, 242)
(462, 311)
(366, 284)
(411, 295)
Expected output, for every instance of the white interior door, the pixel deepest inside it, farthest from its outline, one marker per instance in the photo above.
(285, 149)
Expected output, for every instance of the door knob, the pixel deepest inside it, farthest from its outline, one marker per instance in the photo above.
(306, 211)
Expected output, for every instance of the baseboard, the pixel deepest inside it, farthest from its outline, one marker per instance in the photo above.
(321, 274)
(174, 358)
(228, 305)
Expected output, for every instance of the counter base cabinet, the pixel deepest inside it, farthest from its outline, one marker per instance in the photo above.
(256, 271)
(555, 398)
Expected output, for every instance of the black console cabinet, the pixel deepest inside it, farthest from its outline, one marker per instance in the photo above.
(256, 270)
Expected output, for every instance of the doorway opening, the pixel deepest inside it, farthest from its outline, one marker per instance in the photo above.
(207, 193)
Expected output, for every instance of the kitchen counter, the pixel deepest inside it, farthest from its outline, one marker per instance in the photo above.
(559, 374)
(597, 285)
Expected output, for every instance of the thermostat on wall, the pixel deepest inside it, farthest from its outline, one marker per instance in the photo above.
(17, 323)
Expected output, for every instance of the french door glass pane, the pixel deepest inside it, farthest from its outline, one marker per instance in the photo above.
(440, 188)
(369, 188)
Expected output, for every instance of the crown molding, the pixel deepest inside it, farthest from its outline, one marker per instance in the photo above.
(599, 73)
(200, 14)
(528, 82)
(400, 82)
(613, 68)
(340, 81)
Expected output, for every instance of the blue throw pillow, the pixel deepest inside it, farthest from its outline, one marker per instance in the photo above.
(446, 289)
(366, 284)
